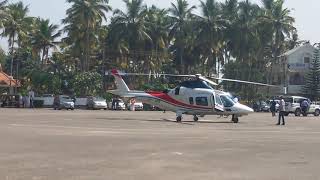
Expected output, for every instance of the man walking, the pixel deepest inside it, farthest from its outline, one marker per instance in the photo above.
(282, 110)
(31, 98)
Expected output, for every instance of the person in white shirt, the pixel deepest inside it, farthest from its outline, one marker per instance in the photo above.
(31, 97)
(282, 110)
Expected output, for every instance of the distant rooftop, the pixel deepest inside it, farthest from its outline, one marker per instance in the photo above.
(288, 53)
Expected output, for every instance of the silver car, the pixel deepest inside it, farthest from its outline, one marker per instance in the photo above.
(63, 102)
(96, 103)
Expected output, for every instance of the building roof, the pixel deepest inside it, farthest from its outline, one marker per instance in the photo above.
(8, 81)
(288, 53)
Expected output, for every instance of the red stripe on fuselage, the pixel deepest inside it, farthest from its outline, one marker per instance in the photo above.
(166, 97)
(115, 73)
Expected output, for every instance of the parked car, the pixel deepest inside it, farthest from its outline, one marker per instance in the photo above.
(7, 100)
(119, 105)
(138, 106)
(63, 102)
(261, 106)
(96, 103)
(293, 105)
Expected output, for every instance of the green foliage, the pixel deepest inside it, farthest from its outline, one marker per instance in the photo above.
(239, 35)
(156, 85)
(45, 82)
(87, 83)
(312, 86)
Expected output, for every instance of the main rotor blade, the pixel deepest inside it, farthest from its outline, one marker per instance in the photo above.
(245, 82)
(151, 74)
(208, 80)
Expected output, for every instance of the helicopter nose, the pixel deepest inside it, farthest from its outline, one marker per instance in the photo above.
(245, 109)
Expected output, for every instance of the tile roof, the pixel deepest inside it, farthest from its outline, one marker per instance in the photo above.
(8, 81)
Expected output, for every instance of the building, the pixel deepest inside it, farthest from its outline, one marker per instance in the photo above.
(292, 68)
(7, 81)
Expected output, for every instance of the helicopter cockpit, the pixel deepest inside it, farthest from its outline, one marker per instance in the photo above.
(193, 84)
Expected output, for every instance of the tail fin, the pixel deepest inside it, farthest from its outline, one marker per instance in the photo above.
(121, 85)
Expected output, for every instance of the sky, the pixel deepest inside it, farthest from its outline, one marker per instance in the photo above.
(306, 13)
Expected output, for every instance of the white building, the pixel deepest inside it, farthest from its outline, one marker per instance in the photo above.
(292, 68)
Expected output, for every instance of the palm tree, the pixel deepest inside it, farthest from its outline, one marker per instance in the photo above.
(16, 27)
(279, 19)
(181, 15)
(158, 26)
(212, 26)
(281, 24)
(44, 37)
(82, 21)
(130, 28)
(3, 14)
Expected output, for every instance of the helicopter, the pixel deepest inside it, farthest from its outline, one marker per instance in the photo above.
(192, 97)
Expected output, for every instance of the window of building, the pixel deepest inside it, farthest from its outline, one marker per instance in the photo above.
(306, 60)
(191, 100)
(296, 79)
(202, 101)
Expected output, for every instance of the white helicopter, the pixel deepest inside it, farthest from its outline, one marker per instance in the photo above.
(193, 97)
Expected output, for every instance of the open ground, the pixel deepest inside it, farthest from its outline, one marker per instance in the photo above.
(98, 145)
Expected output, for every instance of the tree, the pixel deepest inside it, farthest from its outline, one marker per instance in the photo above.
(158, 26)
(278, 19)
(88, 83)
(312, 86)
(181, 15)
(44, 37)
(16, 27)
(3, 14)
(212, 27)
(129, 28)
(82, 21)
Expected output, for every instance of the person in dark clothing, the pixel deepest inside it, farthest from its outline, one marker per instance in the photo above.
(282, 111)
(273, 108)
(113, 104)
(305, 107)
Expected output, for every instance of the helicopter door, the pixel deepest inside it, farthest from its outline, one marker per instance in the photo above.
(218, 105)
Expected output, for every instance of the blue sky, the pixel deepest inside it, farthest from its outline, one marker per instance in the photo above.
(306, 12)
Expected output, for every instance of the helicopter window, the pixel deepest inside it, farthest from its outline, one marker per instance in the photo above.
(227, 102)
(177, 91)
(202, 101)
(218, 100)
(191, 100)
(195, 84)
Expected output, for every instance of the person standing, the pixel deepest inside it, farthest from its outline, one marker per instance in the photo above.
(273, 107)
(31, 97)
(305, 107)
(282, 110)
(132, 102)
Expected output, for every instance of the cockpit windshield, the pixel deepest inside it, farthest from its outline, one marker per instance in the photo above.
(227, 101)
(195, 84)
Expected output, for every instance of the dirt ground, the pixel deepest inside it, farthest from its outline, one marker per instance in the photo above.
(97, 145)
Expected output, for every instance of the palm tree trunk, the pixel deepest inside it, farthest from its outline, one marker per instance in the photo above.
(11, 64)
(181, 61)
(43, 56)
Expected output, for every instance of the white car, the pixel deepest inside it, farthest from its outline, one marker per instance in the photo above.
(293, 106)
(119, 105)
(138, 106)
(96, 103)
